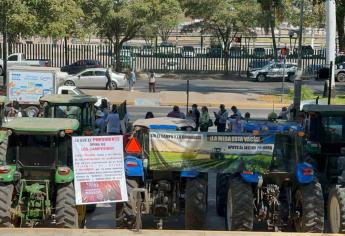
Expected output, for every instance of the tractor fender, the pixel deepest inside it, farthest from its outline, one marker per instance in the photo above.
(8, 176)
(304, 173)
(134, 166)
(189, 174)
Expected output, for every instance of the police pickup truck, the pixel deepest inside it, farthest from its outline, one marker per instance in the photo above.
(274, 70)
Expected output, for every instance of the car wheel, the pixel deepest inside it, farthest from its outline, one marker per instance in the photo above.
(341, 77)
(113, 85)
(290, 78)
(69, 83)
(261, 77)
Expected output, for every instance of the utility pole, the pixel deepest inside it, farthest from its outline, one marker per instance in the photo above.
(298, 79)
(4, 44)
(330, 39)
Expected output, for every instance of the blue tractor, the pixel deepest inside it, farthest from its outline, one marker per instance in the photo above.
(286, 196)
(159, 193)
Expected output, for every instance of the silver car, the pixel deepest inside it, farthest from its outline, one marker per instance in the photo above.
(274, 70)
(96, 78)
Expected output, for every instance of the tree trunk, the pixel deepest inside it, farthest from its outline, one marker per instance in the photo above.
(117, 48)
(340, 28)
(272, 25)
(226, 59)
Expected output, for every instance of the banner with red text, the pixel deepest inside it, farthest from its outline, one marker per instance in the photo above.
(99, 169)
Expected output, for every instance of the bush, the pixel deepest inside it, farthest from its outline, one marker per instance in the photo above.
(306, 94)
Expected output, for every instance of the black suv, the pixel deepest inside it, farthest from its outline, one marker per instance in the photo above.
(81, 65)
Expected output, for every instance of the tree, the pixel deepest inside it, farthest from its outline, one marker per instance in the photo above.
(340, 4)
(17, 18)
(272, 11)
(118, 20)
(166, 16)
(226, 19)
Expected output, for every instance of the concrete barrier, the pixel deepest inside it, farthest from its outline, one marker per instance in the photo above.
(112, 232)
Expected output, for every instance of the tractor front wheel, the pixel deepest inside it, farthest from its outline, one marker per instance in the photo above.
(336, 209)
(239, 212)
(6, 192)
(66, 210)
(309, 207)
(196, 202)
(125, 217)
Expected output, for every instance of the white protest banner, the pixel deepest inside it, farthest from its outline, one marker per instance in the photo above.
(99, 169)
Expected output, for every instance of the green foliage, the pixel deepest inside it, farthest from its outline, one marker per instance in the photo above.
(306, 93)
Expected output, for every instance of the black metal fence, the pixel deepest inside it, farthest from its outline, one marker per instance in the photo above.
(165, 58)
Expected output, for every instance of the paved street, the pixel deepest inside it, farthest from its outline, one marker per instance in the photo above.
(234, 85)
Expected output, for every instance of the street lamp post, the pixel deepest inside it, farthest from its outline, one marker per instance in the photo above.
(298, 79)
(330, 39)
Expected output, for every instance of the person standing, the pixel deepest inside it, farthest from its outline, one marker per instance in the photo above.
(204, 119)
(100, 122)
(131, 80)
(108, 74)
(113, 122)
(236, 112)
(176, 113)
(196, 116)
(152, 82)
(221, 118)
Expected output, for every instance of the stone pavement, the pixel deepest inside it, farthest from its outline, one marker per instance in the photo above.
(170, 98)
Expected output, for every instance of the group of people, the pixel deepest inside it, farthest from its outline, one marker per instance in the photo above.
(131, 78)
(108, 120)
(234, 123)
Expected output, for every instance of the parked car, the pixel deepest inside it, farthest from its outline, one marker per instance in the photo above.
(235, 52)
(127, 59)
(188, 51)
(215, 50)
(166, 49)
(274, 70)
(81, 65)
(96, 78)
(146, 51)
(259, 53)
(256, 65)
(312, 70)
(19, 59)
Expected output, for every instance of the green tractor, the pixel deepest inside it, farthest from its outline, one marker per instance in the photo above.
(80, 107)
(36, 176)
(324, 148)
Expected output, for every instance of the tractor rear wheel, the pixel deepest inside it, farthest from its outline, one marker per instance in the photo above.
(196, 202)
(66, 211)
(125, 217)
(309, 204)
(6, 192)
(239, 212)
(336, 209)
(3, 149)
(221, 193)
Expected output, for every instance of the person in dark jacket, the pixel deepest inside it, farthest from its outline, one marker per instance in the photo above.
(196, 116)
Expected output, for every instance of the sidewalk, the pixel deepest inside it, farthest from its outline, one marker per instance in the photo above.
(171, 98)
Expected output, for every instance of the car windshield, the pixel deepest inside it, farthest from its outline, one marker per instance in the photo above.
(333, 129)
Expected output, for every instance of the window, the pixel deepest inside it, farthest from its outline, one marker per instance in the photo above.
(99, 73)
(333, 128)
(13, 58)
(88, 73)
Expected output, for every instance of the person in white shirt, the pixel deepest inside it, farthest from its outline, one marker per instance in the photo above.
(152, 82)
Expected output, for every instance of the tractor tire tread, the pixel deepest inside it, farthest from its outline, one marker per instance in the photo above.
(196, 203)
(313, 202)
(66, 212)
(340, 194)
(243, 214)
(6, 192)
